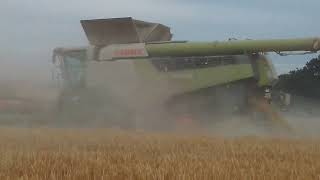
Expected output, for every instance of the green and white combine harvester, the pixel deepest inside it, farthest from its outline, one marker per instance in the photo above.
(133, 74)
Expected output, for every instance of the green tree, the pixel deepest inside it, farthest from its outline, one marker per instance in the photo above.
(304, 81)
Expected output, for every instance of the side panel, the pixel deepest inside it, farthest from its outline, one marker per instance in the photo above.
(182, 81)
(142, 87)
(116, 78)
(191, 80)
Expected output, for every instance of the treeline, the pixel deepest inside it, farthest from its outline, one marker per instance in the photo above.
(304, 81)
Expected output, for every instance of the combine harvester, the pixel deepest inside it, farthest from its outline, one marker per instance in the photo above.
(134, 74)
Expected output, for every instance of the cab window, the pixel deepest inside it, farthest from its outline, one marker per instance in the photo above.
(74, 64)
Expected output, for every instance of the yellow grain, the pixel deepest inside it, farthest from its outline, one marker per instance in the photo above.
(42, 153)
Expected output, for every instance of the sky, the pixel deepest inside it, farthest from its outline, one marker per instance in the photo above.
(30, 29)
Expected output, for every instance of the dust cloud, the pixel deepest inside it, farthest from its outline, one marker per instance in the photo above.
(122, 98)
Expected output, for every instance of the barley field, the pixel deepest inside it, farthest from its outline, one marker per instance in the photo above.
(43, 153)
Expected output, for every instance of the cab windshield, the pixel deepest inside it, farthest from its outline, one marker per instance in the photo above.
(74, 69)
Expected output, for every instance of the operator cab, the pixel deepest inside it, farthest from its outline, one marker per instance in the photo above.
(70, 67)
